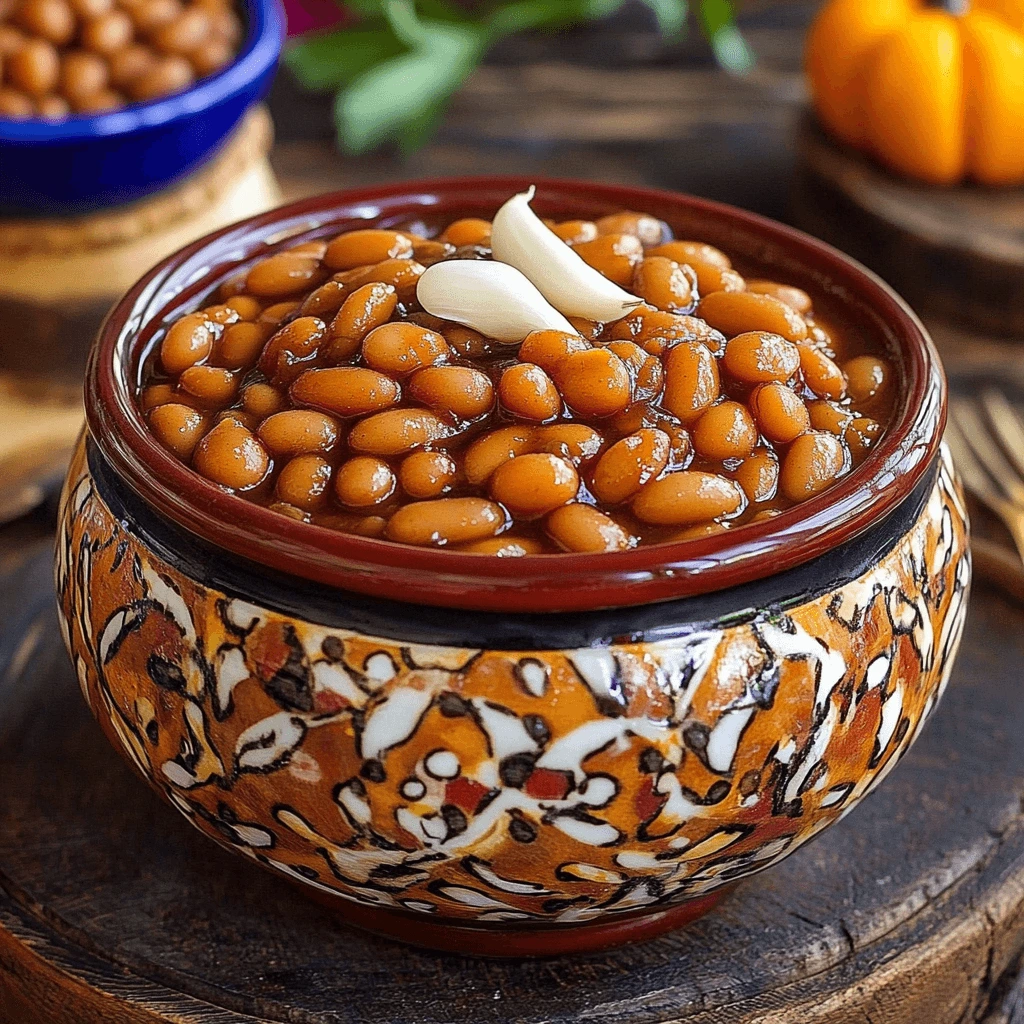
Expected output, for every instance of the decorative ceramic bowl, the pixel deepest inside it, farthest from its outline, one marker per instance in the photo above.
(542, 754)
(86, 162)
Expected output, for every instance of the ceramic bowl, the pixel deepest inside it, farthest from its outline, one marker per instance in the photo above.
(55, 168)
(518, 756)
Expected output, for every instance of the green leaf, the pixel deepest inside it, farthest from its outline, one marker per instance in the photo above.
(404, 94)
(365, 8)
(718, 22)
(329, 60)
(671, 15)
(509, 18)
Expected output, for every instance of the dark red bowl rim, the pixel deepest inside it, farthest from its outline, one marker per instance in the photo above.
(540, 583)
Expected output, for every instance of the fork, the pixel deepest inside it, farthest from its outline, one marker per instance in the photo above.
(989, 453)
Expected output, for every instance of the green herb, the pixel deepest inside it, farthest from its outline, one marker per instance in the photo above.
(397, 69)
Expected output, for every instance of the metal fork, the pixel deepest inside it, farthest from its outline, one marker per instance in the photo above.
(987, 442)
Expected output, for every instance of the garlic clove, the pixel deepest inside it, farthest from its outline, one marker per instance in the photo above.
(492, 298)
(521, 239)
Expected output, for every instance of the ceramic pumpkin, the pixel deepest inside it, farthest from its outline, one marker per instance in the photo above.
(935, 92)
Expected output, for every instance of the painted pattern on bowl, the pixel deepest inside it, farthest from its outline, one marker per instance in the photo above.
(512, 786)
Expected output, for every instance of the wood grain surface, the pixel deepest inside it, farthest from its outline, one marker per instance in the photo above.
(113, 910)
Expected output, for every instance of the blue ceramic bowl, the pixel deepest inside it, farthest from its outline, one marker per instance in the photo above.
(83, 163)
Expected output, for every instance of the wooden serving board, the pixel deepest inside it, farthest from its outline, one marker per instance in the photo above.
(113, 909)
(953, 252)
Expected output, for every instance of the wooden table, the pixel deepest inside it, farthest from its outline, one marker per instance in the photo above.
(911, 912)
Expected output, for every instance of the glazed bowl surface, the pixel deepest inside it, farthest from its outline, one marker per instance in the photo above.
(595, 747)
(83, 163)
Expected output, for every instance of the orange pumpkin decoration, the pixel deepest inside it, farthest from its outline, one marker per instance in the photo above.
(935, 93)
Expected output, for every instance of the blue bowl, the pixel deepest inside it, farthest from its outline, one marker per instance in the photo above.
(84, 163)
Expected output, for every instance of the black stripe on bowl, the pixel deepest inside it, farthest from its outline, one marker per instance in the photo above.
(423, 624)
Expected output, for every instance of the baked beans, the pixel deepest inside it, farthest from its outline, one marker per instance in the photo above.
(64, 57)
(313, 383)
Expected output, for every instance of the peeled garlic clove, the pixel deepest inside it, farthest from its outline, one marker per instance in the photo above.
(492, 298)
(520, 238)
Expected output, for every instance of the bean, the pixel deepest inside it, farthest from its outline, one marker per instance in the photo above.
(303, 482)
(457, 391)
(212, 385)
(231, 456)
(575, 231)
(528, 392)
(505, 546)
(427, 474)
(82, 74)
(399, 349)
(691, 381)
(185, 34)
(284, 509)
(656, 330)
(532, 485)
(345, 390)
(99, 102)
(795, 298)
(664, 284)
(489, 452)
(169, 75)
(315, 247)
(211, 55)
(402, 275)
(282, 275)
(735, 313)
(366, 309)
(11, 40)
(53, 20)
(364, 481)
(150, 15)
(758, 357)
(579, 527)
(177, 427)
(468, 231)
(629, 464)
(647, 373)
(781, 415)
(188, 341)
(278, 312)
(324, 301)
(698, 532)
(291, 348)
(643, 226)
(241, 343)
(615, 256)
(574, 442)
(686, 252)
(861, 436)
(154, 395)
(687, 497)
(53, 107)
(431, 251)
(468, 343)
(549, 349)
(34, 68)
(262, 400)
(820, 374)
(813, 461)
(445, 521)
(91, 8)
(594, 383)
(247, 307)
(107, 33)
(589, 329)
(397, 431)
(366, 247)
(725, 431)
(829, 416)
(246, 419)
(298, 432)
(758, 474)
(868, 380)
